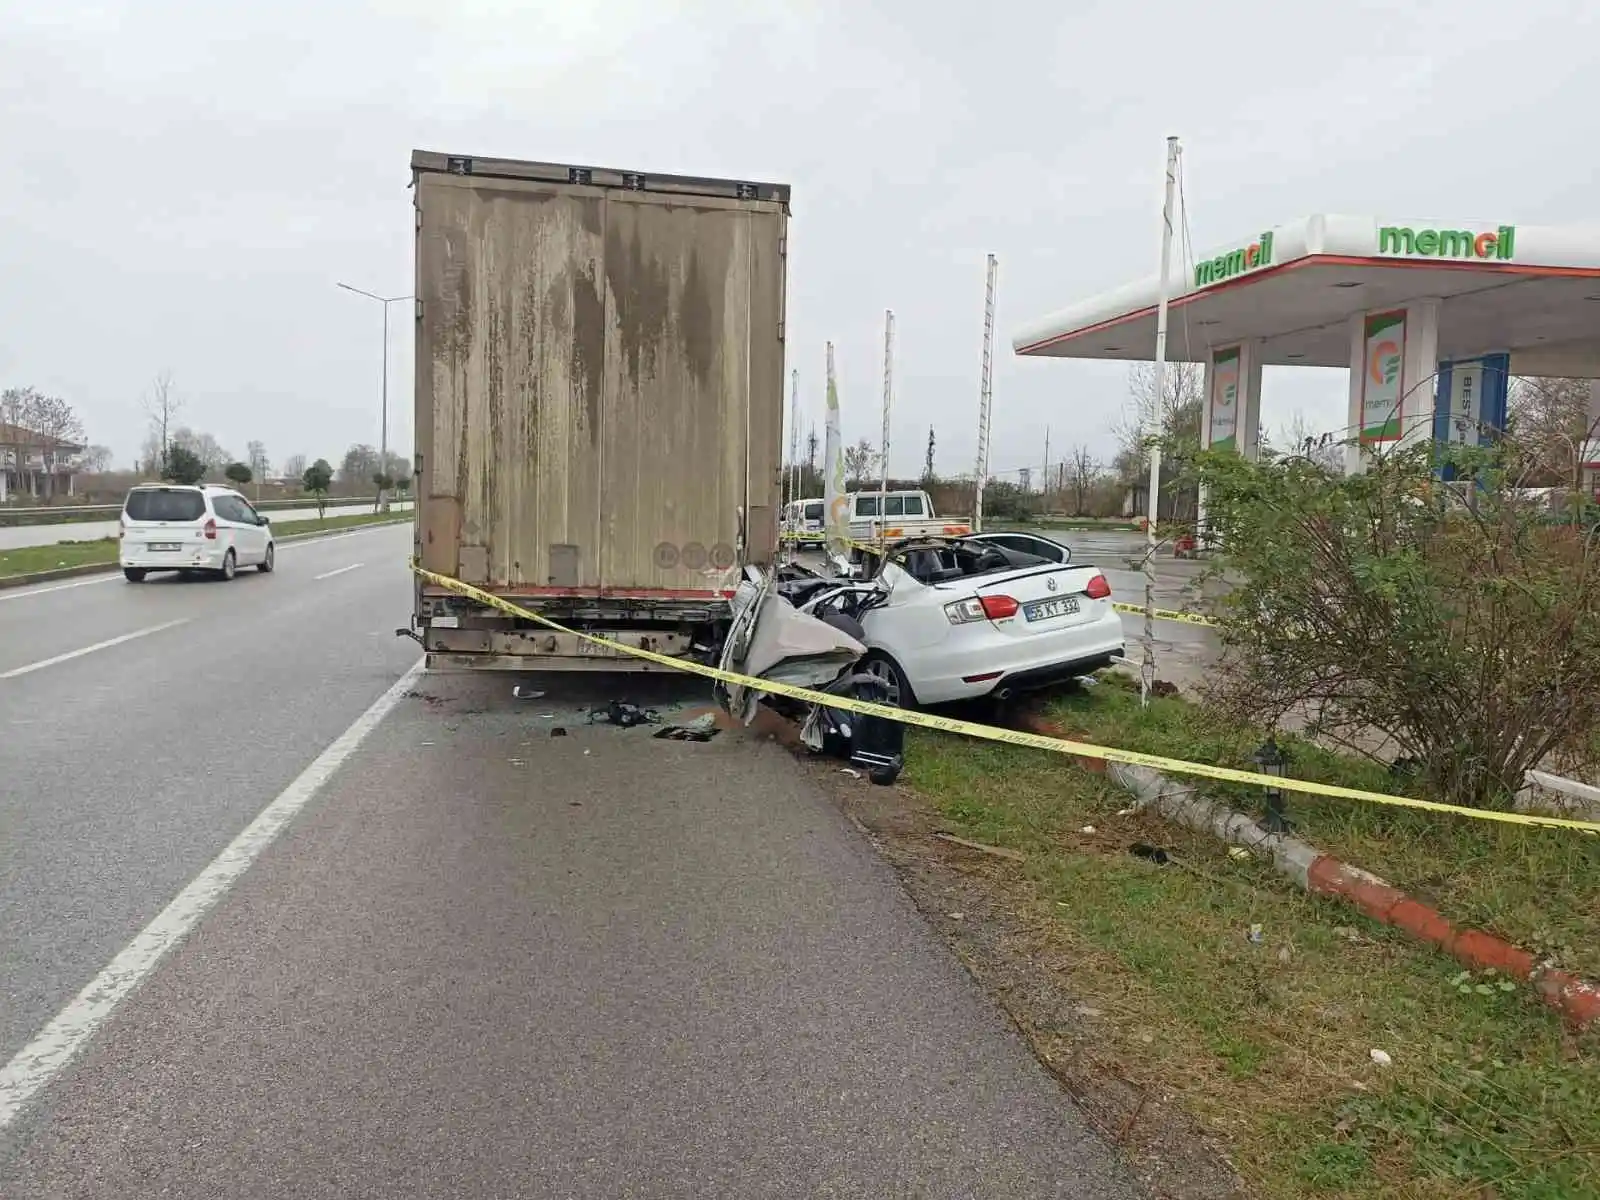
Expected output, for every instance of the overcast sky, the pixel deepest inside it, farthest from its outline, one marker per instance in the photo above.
(185, 182)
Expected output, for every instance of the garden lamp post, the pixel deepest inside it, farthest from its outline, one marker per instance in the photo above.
(1270, 759)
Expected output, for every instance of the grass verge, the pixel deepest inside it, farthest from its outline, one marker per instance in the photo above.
(29, 560)
(1268, 1042)
(22, 515)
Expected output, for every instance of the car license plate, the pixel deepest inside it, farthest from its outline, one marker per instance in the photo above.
(166, 546)
(1045, 610)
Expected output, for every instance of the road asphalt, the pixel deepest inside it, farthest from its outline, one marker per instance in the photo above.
(15, 537)
(485, 960)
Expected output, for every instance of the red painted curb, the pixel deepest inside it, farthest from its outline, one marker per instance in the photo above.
(1574, 998)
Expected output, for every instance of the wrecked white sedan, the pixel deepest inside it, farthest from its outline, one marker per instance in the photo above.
(947, 619)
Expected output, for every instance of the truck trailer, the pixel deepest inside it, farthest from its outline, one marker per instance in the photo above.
(599, 406)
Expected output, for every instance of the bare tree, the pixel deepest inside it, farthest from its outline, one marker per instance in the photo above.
(16, 423)
(1173, 416)
(1083, 469)
(162, 405)
(360, 463)
(256, 459)
(1297, 436)
(1549, 422)
(96, 460)
(60, 435)
(859, 460)
(203, 446)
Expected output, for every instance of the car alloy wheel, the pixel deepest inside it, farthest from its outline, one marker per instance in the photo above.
(887, 672)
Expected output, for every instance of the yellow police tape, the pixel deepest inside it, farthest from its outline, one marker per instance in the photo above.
(993, 733)
(1166, 614)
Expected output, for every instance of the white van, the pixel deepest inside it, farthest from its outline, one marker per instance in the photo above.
(803, 520)
(175, 527)
(905, 514)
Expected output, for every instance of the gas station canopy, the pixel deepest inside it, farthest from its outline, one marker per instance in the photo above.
(1532, 292)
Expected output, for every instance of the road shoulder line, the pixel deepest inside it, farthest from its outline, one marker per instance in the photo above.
(60, 1041)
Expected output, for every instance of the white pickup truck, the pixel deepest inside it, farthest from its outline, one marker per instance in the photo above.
(905, 515)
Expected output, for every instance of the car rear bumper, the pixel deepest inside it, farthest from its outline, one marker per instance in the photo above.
(1022, 665)
(1036, 678)
(190, 558)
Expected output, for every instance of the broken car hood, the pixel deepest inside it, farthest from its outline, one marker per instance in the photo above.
(771, 639)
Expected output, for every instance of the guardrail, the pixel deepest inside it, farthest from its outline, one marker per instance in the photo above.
(65, 514)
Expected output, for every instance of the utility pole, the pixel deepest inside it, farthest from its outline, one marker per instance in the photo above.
(1147, 667)
(1044, 479)
(794, 435)
(383, 434)
(980, 474)
(888, 397)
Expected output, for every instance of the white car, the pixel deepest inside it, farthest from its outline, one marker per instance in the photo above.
(174, 527)
(989, 614)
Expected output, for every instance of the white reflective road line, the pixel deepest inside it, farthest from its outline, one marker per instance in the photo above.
(340, 571)
(79, 653)
(59, 587)
(54, 1046)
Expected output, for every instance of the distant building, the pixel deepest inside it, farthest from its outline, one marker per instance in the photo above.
(36, 464)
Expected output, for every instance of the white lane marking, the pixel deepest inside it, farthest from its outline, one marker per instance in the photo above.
(54, 1046)
(79, 653)
(340, 571)
(112, 575)
(59, 587)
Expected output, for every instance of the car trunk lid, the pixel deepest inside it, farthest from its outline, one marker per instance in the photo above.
(1047, 597)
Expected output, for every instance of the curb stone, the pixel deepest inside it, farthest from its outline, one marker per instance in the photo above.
(1577, 999)
(16, 581)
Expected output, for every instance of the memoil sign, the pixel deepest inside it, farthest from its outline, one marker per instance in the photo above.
(1498, 246)
(1253, 257)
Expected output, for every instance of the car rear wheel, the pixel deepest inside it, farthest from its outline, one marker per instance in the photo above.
(230, 566)
(133, 574)
(267, 563)
(894, 680)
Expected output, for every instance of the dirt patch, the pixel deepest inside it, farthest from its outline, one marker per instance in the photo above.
(992, 923)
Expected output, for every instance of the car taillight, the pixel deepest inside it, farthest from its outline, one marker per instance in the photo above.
(999, 607)
(122, 529)
(981, 608)
(211, 528)
(963, 611)
(1098, 588)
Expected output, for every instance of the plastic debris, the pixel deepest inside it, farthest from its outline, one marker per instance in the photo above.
(850, 772)
(621, 712)
(1154, 853)
(1256, 935)
(1087, 829)
(520, 693)
(1381, 1057)
(701, 729)
(1238, 852)
(558, 731)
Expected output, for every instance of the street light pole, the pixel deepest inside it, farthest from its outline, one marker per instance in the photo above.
(383, 434)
